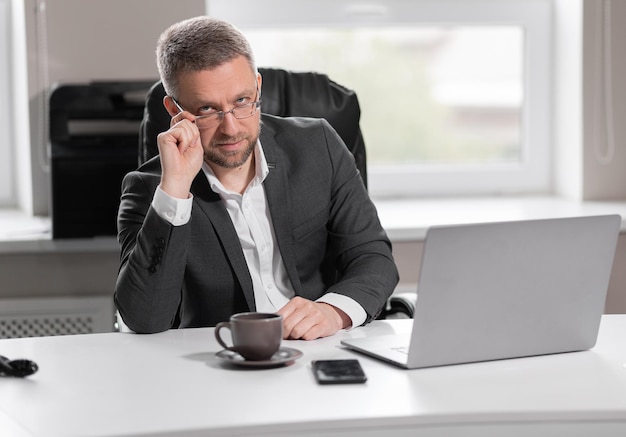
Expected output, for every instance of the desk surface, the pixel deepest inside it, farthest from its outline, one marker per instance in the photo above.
(172, 384)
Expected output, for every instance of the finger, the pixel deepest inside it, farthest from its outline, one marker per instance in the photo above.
(292, 306)
(303, 325)
(325, 320)
(181, 157)
(190, 134)
(304, 319)
(292, 313)
(309, 328)
(183, 115)
(181, 136)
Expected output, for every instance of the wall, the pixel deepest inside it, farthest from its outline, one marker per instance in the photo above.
(58, 274)
(590, 99)
(85, 40)
(604, 97)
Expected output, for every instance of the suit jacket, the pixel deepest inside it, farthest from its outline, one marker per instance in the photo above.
(326, 227)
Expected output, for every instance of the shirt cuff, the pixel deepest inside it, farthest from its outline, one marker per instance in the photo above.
(171, 209)
(348, 305)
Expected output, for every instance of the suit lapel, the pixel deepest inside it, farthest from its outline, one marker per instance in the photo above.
(213, 208)
(279, 201)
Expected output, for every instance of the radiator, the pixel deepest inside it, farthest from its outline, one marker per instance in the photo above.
(38, 317)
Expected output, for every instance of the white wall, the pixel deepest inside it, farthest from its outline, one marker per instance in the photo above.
(83, 40)
(604, 97)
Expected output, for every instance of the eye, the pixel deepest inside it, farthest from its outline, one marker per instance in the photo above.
(242, 101)
(203, 110)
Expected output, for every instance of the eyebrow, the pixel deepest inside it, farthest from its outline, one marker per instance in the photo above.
(246, 93)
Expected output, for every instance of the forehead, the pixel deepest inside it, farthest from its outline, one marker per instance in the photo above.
(224, 83)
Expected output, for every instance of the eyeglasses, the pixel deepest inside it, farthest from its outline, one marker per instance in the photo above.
(213, 119)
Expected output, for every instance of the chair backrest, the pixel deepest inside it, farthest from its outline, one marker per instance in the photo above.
(284, 94)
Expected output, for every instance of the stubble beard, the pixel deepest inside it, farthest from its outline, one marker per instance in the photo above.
(213, 154)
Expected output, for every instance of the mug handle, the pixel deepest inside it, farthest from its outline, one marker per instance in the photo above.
(218, 337)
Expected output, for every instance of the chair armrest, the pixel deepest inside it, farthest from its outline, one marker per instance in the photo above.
(403, 303)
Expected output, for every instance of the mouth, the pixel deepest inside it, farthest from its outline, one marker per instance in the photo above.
(229, 144)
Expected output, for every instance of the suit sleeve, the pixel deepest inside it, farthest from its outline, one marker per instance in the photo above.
(149, 284)
(366, 270)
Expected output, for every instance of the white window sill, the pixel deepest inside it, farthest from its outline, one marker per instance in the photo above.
(21, 233)
(404, 220)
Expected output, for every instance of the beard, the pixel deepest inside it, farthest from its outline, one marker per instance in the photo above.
(236, 159)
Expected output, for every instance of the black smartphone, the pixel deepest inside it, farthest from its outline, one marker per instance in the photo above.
(338, 371)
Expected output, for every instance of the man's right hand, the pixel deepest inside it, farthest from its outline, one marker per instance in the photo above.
(181, 154)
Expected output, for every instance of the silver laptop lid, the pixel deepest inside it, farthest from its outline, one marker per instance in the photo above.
(511, 289)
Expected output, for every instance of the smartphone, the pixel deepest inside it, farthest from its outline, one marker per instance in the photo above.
(338, 371)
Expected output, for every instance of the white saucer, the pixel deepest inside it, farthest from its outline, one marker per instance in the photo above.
(283, 356)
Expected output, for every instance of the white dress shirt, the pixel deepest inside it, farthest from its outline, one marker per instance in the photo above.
(251, 217)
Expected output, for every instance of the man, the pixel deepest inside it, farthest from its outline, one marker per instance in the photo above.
(243, 211)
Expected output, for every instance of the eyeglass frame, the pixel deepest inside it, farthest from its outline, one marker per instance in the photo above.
(219, 115)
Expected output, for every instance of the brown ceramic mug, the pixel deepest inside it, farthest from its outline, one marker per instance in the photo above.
(255, 336)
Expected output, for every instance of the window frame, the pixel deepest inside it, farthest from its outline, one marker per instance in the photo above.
(533, 175)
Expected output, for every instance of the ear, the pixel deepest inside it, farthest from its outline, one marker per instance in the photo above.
(259, 81)
(170, 106)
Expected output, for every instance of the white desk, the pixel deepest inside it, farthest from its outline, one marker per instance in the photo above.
(170, 384)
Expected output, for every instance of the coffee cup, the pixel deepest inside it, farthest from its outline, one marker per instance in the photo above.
(255, 336)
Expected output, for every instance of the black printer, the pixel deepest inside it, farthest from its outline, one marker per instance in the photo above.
(94, 138)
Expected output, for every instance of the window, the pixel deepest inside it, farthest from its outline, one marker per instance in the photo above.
(7, 178)
(454, 94)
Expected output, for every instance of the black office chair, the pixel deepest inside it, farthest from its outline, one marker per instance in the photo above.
(285, 93)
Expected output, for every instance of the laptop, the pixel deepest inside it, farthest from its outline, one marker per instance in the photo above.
(494, 291)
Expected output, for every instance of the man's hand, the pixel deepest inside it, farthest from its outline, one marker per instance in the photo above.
(181, 155)
(308, 320)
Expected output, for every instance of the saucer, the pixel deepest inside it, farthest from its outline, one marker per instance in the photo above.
(283, 356)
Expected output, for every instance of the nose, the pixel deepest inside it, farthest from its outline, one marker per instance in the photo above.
(229, 124)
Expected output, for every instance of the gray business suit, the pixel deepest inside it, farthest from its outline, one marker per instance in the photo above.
(326, 228)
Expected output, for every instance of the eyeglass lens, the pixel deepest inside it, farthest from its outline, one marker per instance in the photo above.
(239, 112)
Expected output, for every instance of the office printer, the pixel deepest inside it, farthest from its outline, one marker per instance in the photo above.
(94, 136)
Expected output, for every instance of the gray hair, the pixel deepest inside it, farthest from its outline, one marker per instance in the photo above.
(197, 44)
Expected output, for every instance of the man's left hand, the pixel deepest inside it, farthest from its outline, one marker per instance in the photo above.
(307, 320)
